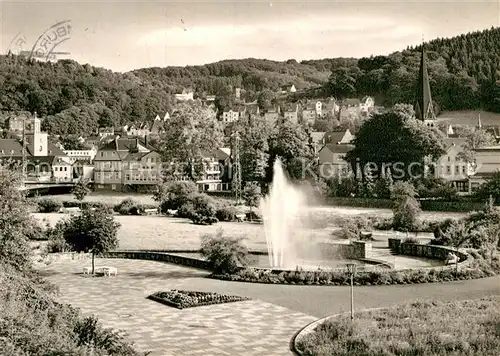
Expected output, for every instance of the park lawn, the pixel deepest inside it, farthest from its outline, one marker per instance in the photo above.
(469, 327)
(159, 232)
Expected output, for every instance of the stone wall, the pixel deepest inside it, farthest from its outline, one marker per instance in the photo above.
(427, 251)
(355, 250)
(159, 256)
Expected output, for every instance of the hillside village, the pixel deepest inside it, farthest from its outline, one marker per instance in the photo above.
(125, 158)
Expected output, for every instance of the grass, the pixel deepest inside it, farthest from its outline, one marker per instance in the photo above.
(113, 198)
(469, 327)
(158, 232)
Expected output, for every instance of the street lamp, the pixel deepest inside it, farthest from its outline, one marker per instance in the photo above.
(351, 269)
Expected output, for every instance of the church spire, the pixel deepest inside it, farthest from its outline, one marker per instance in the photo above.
(424, 109)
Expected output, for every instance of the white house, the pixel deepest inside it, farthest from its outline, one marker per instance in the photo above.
(230, 116)
(185, 95)
(81, 155)
(367, 105)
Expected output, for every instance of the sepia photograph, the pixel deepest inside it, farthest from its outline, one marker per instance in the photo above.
(249, 178)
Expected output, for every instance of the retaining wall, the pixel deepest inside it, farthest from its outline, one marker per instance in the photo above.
(159, 256)
(355, 250)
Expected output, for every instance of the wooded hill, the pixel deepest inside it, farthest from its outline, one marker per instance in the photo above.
(76, 98)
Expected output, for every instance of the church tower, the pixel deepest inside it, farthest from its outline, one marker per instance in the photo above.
(424, 109)
(37, 141)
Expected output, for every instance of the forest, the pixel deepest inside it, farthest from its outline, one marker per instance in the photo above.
(75, 98)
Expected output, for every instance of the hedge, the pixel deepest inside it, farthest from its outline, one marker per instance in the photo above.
(477, 269)
(461, 205)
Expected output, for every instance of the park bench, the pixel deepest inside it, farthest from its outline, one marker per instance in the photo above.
(172, 212)
(69, 210)
(150, 211)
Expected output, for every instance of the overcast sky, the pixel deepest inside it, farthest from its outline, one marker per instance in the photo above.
(123, 35)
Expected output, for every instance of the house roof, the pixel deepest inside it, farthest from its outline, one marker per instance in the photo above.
(317, 136)
(333, 137)
(10, 145)
(352, 102)
(339, 148)
(291, 108)
(450, 142)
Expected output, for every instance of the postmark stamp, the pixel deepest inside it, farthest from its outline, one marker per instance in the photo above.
(46, 44)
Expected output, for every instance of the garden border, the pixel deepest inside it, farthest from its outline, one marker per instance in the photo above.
(309, 328)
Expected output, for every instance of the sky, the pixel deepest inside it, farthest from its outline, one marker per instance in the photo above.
(125, 35)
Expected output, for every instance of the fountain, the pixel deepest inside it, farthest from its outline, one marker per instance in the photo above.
(281, 211)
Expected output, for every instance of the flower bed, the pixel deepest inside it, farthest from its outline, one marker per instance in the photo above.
(473, 269)
(182, 299)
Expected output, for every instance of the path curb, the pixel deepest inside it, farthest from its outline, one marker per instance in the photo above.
(309, 328)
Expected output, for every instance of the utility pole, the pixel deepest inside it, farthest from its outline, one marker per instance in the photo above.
(351, 268)
(236, 169)
(23, 174)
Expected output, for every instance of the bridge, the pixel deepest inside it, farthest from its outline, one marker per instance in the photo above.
(30, 186)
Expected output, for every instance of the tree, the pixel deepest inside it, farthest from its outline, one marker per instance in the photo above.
(341, 85)
(457, 234)
(490, 237)
(172, 195)
(475, 138)
(80, 190)
(93, 231)
(404, 145)
(254, 132)
(15, 222)
(406, 207)
(72, 142)
(291, 144)
(252, 194)
(491, 188)
(192, 132)
(266, 99)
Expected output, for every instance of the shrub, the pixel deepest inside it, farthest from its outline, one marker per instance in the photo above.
(186, 210)
(224, 254)
(48, 205)
(253, 216)
(203, 210)
(411, 240)
(352, 227)
(173, 195)
(127, 207)
(382, 223)
(226, 213)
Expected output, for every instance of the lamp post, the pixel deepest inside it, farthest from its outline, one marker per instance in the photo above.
(351, 269)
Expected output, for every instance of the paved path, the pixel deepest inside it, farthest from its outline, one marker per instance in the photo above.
(262, 326)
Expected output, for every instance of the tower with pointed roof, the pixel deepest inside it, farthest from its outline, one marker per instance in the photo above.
(424, 109)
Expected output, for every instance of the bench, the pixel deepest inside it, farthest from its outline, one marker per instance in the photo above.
(451, 259)
(171, 212)
(150, 211)
(107, 271)
(69, 210)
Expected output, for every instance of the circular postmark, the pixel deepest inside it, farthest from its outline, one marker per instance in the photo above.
(51, 38)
